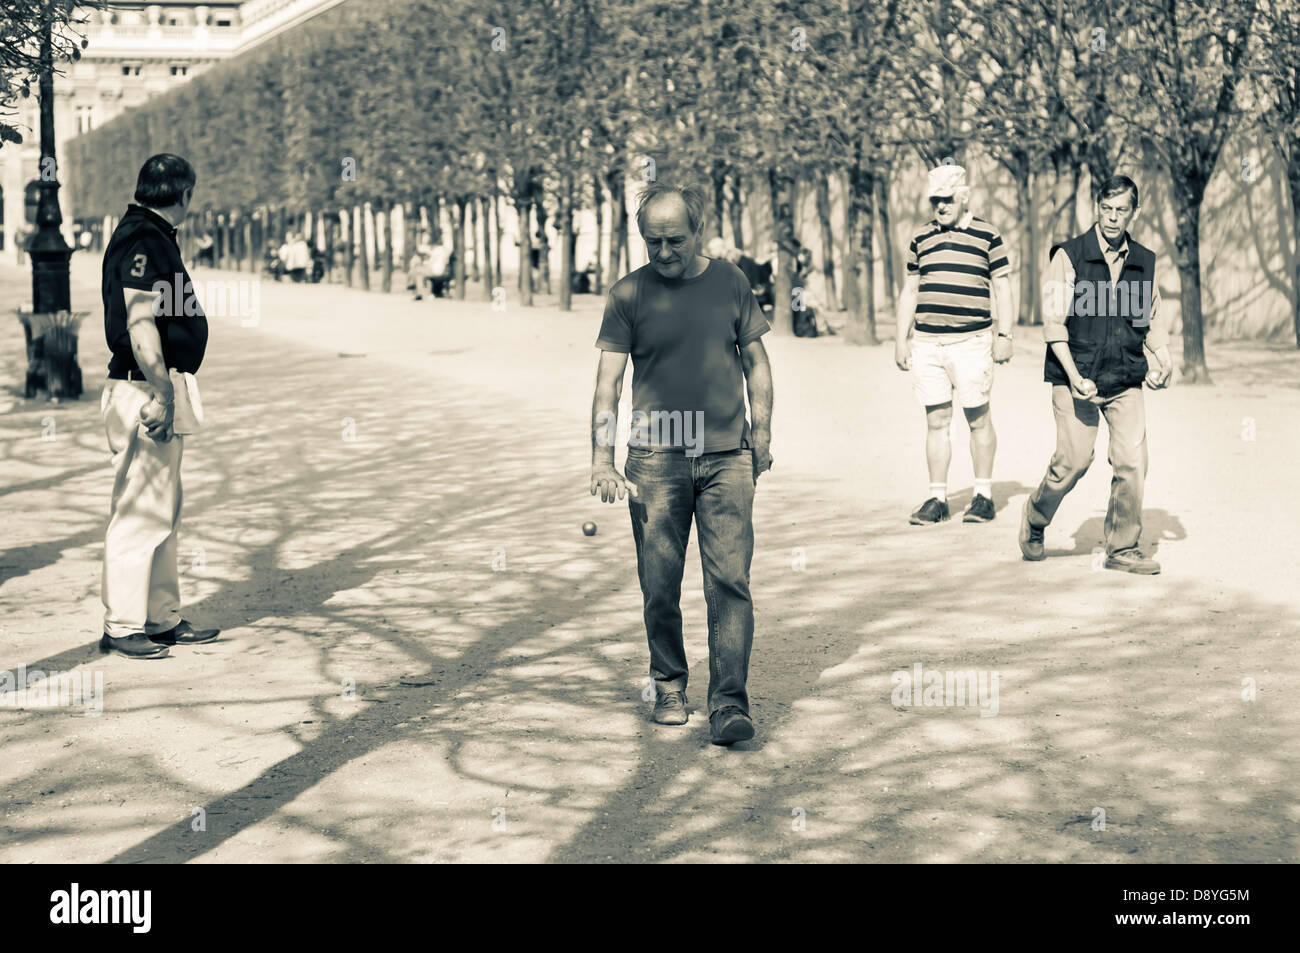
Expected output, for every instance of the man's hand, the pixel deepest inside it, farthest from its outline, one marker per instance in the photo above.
(903, 354)
(1084, 389)
(1002, 349)
(157, 419)
(611, 484)
(1158, 377)
(762, 453)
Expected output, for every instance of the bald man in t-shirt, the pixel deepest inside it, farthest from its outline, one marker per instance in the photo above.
(693, 330)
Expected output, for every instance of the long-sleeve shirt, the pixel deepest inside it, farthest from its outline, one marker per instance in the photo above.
(1058, 292)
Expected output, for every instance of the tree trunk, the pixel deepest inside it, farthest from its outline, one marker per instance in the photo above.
(618, 224)
(1293, 180)
(473, 241)
(1064, 201)
(249, 256)
(887, 241)
(523, 212)
(1026, 210)
(363, 253)
(1188, 199)
(719, 181)
(496, 229)
(408, 236)
(348, 238)
(486, 270)
(828, 244)
(736, 208)
(599, 193)
(544, 245)
(780, 193)
(458, 246)
(385, 220)
(859, 259)
(566, 245)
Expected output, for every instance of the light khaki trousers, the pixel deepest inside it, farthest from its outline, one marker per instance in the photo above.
(141, 587)
(1076, 434)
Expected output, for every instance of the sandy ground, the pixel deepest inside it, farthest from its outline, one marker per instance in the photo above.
(415, 506)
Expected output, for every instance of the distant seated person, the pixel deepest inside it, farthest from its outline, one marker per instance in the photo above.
(207, 250)
(440, 265)
(273, 262)
(419, 274)
(758, 276)
(584, 281)
(296, 256)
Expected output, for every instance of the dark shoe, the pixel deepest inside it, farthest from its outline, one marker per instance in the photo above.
(184, 634)
(670, 708)
(1031, 537)
(931, 511)
(981, 510)
(729, 725)
(137, 645)
(1132, 560)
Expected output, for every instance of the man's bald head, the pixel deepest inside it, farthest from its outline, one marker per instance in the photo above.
(671, 220)
(664, 202)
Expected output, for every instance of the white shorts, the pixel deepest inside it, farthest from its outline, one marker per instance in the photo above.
(963, 368)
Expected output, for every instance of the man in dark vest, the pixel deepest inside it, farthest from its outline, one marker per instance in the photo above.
(1104, 340)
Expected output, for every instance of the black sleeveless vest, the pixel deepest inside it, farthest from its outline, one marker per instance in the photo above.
(1107, 322)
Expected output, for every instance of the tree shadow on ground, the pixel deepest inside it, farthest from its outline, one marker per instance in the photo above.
(365, 529)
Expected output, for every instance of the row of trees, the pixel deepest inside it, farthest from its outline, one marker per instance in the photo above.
(553, 105)
(22, 25)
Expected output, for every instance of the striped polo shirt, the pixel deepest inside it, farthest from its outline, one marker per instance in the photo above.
(956, 265)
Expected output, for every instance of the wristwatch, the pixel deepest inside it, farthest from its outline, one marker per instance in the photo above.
(1007, 336)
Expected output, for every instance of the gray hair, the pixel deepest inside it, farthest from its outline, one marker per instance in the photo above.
(692, 197)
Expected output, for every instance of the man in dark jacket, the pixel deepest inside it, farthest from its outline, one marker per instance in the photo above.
(1104, 340)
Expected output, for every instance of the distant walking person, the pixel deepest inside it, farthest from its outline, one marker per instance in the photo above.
(1104, 336)
(153, 327)
(953, 263)
(693, 330)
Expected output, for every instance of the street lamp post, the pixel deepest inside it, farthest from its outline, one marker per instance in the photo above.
(52, 327)
(50, 253)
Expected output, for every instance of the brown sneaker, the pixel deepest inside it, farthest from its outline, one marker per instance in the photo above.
(1031, 537)
(670, 708)
(1132, 560)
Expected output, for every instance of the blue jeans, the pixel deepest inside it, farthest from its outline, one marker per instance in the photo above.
(717, 489)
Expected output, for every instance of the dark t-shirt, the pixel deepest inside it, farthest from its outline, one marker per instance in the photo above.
(684, 337)
(142, 253)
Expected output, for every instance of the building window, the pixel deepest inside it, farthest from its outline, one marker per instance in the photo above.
(130, 70)
(180, 70)
(85, 119)
(223, 23)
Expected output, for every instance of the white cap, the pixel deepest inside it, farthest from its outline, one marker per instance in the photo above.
(945, 180)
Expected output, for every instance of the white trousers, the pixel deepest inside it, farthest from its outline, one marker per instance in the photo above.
(141, 587)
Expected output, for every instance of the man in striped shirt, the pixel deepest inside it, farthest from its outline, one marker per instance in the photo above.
(953, 263)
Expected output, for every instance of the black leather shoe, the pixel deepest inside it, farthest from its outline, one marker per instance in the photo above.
(184, 634)
(981, 510)
(931, 511)
(137, 646)
(729, 725)
(1031, 537)
(670, 708)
